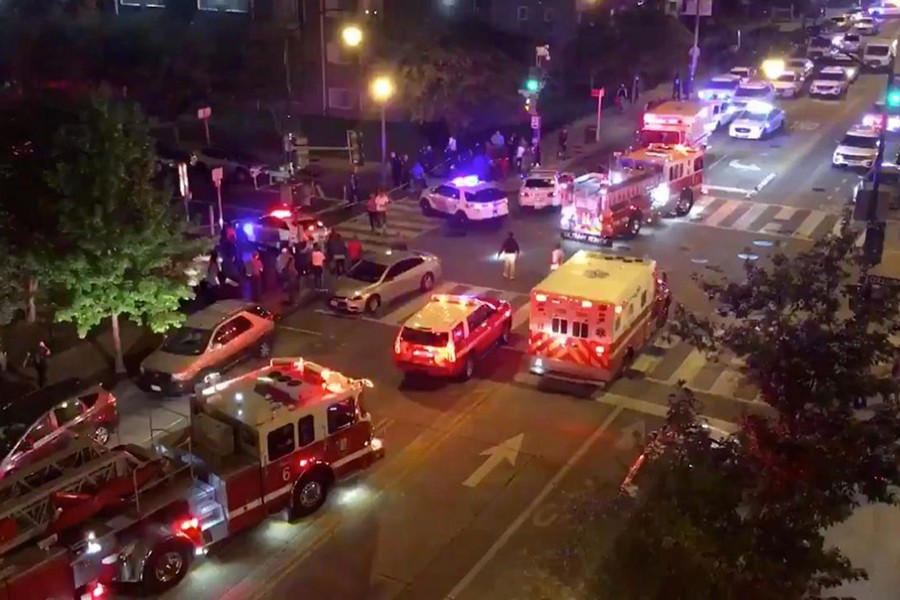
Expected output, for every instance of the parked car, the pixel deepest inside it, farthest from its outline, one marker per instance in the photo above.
(380, 278)
(211, 341)
(38, 424)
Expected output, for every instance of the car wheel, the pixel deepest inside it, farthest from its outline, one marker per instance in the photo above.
(461, 219)
(426, 207)
(264, 350)
(685, 202)
(506, 333)
(427, 283)
(634, 225)
(373, 304)
(101, 435)
(309, 495)
(468, 369)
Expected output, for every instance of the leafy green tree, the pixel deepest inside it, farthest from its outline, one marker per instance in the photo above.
(125, 251)
(465, 81)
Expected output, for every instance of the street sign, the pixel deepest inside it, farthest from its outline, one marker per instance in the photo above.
(598, 93)
(217, 176)
(183, 185)
(204, 113)
(536, 122)
(689, 8)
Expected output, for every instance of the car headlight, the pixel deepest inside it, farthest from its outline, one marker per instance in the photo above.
(357, 295)
(181, 376)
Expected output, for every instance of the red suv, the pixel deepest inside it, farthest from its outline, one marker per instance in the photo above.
(40, 423)
(447, 336)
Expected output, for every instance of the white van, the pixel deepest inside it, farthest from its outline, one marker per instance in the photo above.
(879, 54)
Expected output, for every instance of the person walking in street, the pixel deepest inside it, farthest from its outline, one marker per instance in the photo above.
(38, 359)
(676, 87)
(450, 151)
(418, 178)
(372, 209)
(381, 206)
(497, 140)
(302, 253)
(255, 276)
(354, 250)
(509, 252)
(318, 267)
(562, 143)
(354, 193)
(621, 97)
(338, 252)
(520, 156)
(556, 257)
(285, 268)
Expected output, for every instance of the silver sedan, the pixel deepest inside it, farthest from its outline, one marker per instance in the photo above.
(382, 277)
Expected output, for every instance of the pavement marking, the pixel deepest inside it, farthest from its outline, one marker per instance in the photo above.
(415, 454)
(538, 500)
(723, 188)
(809, 224)
(300, 330)
(657, 410)
(766, 181)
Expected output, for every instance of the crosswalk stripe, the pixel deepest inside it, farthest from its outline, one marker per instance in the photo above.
(775, 225)
(749, 217)
(809, 224)
(723, 211)
(838, 228)
(520, 316)
(688, 368)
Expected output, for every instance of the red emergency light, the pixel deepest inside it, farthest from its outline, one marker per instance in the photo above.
(281, 213)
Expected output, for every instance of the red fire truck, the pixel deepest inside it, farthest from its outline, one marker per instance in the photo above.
(604, 207)
(86, 520)
(680, 169)
(591, 317)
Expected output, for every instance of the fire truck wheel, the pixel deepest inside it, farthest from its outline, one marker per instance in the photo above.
(101, 435)
(427, 283)
(373, 304)
(166, 565)
(505, 333)
(468, 368)
(634, 225)
(685, 202)
(310, 494)
(426, 208)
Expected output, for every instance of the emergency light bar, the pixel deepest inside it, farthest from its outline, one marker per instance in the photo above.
(281, 213)
(466, 181)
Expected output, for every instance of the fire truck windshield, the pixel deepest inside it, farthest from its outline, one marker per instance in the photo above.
(650, 136)
(421, 337)
(187, 341)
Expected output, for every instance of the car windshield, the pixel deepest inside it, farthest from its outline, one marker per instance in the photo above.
(877, 50)
(831, 77)
(538, 183)
(10, 434)
(860, 141)
(787, 78)
(751, 92)
(187, 341)
(722, 84)
(486, 195)
(421, 337)
(367, 271)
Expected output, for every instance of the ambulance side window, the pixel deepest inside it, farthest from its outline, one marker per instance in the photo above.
(459, 332)
(306, 431)
(341, 415)
(560, 326)
(280, 442)
(580, 329)
(644, 299)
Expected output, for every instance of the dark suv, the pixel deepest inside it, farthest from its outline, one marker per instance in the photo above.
(38, 424)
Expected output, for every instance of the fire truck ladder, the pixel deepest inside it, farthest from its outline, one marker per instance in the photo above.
(85, 467)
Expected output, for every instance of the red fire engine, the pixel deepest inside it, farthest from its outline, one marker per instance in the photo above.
(603, 207)
(87, 519)
(680, 168)
(591, 317)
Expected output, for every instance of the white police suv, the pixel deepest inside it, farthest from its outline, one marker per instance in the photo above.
(759, 120)
(859, 148)
(465, 199)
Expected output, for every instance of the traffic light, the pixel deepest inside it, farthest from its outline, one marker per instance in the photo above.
(533, 85)
(355, 146)
(873, 247)
(528, 105)
(893, 97)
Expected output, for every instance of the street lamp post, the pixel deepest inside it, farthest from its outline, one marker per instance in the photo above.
(382, 90)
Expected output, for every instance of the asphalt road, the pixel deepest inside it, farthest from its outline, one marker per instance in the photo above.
(432, 520)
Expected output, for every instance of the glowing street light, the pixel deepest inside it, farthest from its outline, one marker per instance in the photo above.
(773, 68)
(352, 36)
(382, 90)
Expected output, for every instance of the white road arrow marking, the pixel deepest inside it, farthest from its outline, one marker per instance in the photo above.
(506, 451)
(736, 164)
(632, 436)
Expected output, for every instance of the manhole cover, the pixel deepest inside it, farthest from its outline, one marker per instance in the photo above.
(596, 274)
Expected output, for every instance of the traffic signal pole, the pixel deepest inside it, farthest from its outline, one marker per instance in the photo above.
(874, 242)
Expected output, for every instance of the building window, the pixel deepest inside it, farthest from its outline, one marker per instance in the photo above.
(549, 15)
(335, 54)
(340, 98)
(522, 13)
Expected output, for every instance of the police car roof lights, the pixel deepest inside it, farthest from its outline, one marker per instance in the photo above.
(466, 181)
(757, 107)
(863, 131)
(281, 213)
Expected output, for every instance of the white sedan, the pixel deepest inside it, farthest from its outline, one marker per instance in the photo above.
(788, 85)
(885, 9)
(466, 199)
(756, 122)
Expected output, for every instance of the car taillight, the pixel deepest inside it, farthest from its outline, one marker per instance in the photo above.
(451, 351)
(397, 346)
(311, 228)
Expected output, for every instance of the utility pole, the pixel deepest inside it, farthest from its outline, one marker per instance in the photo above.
(698, 8)
(873, 245)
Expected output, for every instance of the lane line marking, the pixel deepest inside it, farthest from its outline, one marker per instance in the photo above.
(300, 330)
(538, 500)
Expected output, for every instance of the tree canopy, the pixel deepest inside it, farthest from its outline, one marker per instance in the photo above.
(124, 249)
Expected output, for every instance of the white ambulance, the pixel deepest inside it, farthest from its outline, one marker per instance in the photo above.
(681, 169)
(590, 318)
(689, 123)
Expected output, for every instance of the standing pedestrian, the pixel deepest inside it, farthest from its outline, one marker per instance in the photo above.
(286, 269)
(338, 253)
(676, 87)
(520, 156)
(635, 88)
(509, 252)
(372, 209)
(213, 278)
(418, 178)
(556, 257)
(302, 253)
(317, 258)
(254, 270)
(621, 96)
(381, 206)
(536, 154)
(354, 193)
(396, 170)
(563, 143)
(354, 250)
(38, 359)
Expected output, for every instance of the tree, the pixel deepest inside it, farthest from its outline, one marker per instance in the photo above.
(125, 251)
(462, 80)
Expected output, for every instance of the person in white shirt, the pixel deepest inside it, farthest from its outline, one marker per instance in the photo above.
(381, 206)
(520, 157)
(556, 257)
(451, 146)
